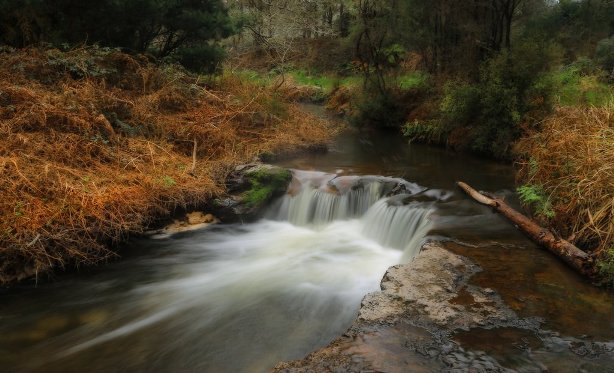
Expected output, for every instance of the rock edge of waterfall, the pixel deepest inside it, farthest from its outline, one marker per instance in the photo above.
(409, 325)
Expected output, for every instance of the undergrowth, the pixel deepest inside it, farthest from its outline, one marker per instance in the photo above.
(605, 266)
(567, 169)
(95, 144)
(582, 83)
(534, 196)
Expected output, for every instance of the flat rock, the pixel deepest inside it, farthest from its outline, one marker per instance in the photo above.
(406, 327)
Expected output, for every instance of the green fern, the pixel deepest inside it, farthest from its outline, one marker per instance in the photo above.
(535, 197)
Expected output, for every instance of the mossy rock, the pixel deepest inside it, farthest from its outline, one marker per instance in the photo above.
(265, 182)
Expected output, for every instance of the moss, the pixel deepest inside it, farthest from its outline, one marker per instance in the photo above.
(605, 266)
(265, 184)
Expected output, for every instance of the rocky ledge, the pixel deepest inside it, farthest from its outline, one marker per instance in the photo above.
(423, 315)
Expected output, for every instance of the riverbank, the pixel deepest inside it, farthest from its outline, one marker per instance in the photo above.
(95, 145)
(432, 315)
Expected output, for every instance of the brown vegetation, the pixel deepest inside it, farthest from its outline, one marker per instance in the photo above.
(94, 144)
(340, 101)
(571, 159)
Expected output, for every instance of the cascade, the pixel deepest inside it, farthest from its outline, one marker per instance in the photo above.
(401, 227)
(315, 200)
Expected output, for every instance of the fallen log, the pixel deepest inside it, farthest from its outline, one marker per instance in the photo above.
(568, 252)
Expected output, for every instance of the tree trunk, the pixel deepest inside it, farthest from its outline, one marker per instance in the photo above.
(568, 252)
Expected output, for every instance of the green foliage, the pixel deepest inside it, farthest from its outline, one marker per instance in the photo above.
(202, 58)
(579, 83)
(393, 54)
(534, 196)
(533, 167)
(389, 108)
(576, 25)
(18, 209)
(377, 51)
(605, 266)
(253, 77)
(489, 108)
(80, 67)
(181, 28)
(510, 86)
(379, 110)
(327, 82)
(413, 80)
(604, 54)
(425, 131)
(168, 181)
(265, 183)
(460, 104)
(324, 82)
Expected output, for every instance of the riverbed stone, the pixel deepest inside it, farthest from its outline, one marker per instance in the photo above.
(191, 221)
(199, 217)
(410, 326)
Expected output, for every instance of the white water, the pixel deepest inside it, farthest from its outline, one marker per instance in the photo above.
(239, 298)
(319, 199)
(402, 227)
(318, 207)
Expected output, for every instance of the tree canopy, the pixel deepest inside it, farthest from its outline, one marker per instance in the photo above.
(184, 29)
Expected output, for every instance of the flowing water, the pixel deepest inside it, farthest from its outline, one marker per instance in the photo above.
(239, 298)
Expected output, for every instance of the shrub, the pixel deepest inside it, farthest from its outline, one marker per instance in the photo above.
(604, 55)
(201, 58)
(388, 108)
(511, 88)
(159, 27)
(379, 110)
(460, 104)
(580, 83)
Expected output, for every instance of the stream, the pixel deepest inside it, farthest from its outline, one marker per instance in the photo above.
(242, 297)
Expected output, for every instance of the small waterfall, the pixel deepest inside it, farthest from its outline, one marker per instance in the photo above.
(318, 207)
(401, 227)
(317, 199)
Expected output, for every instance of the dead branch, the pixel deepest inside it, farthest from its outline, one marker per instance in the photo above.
(568, 252)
